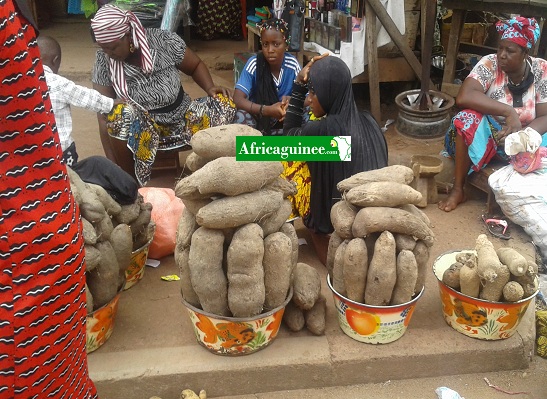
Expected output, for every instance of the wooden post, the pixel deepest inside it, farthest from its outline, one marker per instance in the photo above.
(372, 53)
(458, 18)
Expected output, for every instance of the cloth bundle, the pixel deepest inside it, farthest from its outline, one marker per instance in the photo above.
(524, 148)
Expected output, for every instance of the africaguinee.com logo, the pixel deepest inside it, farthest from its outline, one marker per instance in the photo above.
(293, 148)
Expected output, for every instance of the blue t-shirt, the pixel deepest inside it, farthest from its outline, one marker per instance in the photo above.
(287, 75)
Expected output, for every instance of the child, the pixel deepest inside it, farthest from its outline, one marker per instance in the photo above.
(263, 89)
(64, 93)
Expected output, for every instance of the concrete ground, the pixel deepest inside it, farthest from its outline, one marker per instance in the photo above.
(153, 351)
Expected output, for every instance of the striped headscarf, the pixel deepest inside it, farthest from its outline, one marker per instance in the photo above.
(112, 23)
(520, 30)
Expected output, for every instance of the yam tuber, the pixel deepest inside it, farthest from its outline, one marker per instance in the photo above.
(122, 243)
(397, 173)
(510, 257)
(181, 260)
(306, 286)
(289, 230)
(493, 274)
(220, 141)
(470, 282)
(277, 269)
(404, 241)
(315, 317)
(383, 193)
(337, 277)
(355, 267)
(421, 253)
(273, 223)
(451, 276)
(294, 317)
(195, 162)
(407, 274)
(382, 271)
(334, 242)
(513, 291)
(342, 215)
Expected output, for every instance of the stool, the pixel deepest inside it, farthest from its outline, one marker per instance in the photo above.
(480, 180)
(425, 167)
(169, 159)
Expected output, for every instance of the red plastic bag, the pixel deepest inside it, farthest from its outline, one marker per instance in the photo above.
(166, 212)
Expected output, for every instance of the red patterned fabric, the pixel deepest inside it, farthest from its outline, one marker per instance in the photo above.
(42, 269)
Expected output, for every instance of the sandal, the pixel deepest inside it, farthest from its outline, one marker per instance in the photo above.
(497, 227)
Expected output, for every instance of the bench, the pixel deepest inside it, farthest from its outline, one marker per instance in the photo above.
(479, 180)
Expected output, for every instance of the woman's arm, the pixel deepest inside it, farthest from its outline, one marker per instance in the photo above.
(242, 102)
(540, 123)
(193, 66)
(101, 118)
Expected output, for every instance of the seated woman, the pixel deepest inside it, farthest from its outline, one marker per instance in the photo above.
(328, 80)
(141, 66)
(504, 93)
(262, 92)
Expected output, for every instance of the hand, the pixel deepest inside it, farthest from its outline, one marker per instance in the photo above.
(304, 73)
(118, 101)
(512, 125)
(214, 90)
(276, 111)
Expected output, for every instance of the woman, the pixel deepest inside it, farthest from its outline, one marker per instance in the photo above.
(42, 265)
(262, 92)
(328, 81)
(504, 93)
(142, 68)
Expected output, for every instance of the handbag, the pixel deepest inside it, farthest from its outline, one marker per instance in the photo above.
(293, 14)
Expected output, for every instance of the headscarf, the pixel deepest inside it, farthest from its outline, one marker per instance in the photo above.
(277, 24)
(112, 23)
(520, 30)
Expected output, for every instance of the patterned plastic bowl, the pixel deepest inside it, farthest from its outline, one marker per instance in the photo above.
(372, 324)
(135, 271)
(475, 317)
(100, 323)
(235, 336)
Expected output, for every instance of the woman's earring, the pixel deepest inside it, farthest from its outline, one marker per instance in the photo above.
(131, 48)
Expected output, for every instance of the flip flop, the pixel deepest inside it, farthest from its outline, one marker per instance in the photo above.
(497, 227)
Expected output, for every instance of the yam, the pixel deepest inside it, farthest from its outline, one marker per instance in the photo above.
(77, 185)
(513, 291)
(306, 286)
(395, 220)
(89, 233)
(421, 253)
(529, 281)
(88, 300)
(194, 205)
(451, 276)
(383, 193)
(287, 188)
(470, 282)
(181, 257)
(185, 228)
(294, 317)
(493, 274)
(382, 271)
(91, 207)
(289, 230)
(510, 257)
(104, 228)
(246, 290)
(239, 210)
(206, 273)
(355, 269)
(104, 280)
(92, 257)
(397, 173)
(404, 241)
(277, 265)
(338, 282)
(195, 162)
(140, 224)
(273, 223)
(407, 274)
(220, 141)
(144, 237)
(109, 203)
(122, 243)
(414, 210)
(130, 212)
(334, 242)
(342, 216)
(315, 317)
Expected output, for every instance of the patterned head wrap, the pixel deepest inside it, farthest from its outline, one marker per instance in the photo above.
(520, 30)
(112, 23)
(278, 25)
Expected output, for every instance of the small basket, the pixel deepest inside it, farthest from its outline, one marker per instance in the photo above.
(100, 323)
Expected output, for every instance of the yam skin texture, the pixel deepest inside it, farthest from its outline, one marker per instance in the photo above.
(77, 185)
(273, 223)
(513, 292)
(397, 173)
(109, 203)
(338, 282)
(122, 243)
(403, 241)
(239, 210)
(529, 280)
(103, 281)
(383, 193)
(89, 300)
(140, 224)
(342, 216)
(89, 233)
(289, 230)
(181, 257)
(413, 209)
(334, 242)
(144, 236)
(195, 162)
(194, 205)
(92, 257)
(407, 274)
(451, 276)
(129, 213)
(294, 317)
(104, 228)
(277, 265)
(306, 286)
(228, 176)
(287, 188)
(316, 317)
(421, 253)
(355, 269)
(246, 289)
(470, 282)
(516, 263)
(493, 274)
(220, 141)
(206, 273)
(382, 271)
(91, 206)
(186, 227)
(395, 220)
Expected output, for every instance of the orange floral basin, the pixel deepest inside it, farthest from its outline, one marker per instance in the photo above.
(372, 324)
(135, 271)
(475, 317)
(100, 324)
(234, 336)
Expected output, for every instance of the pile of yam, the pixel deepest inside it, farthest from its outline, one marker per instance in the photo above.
(379, 250)
(495, 275)
(111, 233)
(235, 250)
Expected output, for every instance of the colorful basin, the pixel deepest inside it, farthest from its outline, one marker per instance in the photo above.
(100, 324)
(135, 270)
(235, 336)
(475, 317)
(372, 324)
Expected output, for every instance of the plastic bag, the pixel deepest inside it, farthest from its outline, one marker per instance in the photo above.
(166, 212)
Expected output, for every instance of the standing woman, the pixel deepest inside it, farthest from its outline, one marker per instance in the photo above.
(142, 67)
(328, 81)
(42, 267)
(504, 93)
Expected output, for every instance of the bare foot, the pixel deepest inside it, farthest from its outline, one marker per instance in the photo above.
(456, 197)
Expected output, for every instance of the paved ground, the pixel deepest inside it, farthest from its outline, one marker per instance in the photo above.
(153, 352)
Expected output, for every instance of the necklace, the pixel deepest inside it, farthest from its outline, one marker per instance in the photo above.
(526, 65)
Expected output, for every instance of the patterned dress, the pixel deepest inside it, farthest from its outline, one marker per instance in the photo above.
(42, 269)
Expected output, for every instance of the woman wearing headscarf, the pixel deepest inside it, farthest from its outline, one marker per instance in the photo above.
(327, 81)
(142, 66)
(504, 93)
